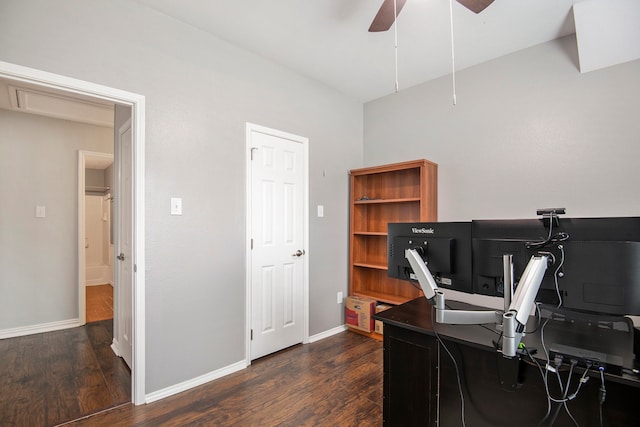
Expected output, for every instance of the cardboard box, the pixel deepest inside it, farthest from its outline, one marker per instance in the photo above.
(358, 313)
(379, 325)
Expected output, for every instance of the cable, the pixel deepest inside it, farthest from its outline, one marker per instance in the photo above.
(542, 375)
(551, 238)
(455, 365)
(555, 274)
(543, 242)
(566, 391)
(601, 394)
(563, 390)
(538, 320)
(566, 408)
(559, 294)
(395, 33)
(566, 396)
(453, 56)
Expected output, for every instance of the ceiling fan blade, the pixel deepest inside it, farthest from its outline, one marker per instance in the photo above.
(476, 6)
(384, 18)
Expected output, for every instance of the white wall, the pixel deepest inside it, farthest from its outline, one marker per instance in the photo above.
(529, 131)
(39, 167)
(200, 92)
(95, 250)
(98, 250)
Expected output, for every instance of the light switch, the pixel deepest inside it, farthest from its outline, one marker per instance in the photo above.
(41, 211)
(320, 211)
(176, 206)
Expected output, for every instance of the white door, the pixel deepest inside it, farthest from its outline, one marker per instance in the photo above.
(278, 225)
(123, 290)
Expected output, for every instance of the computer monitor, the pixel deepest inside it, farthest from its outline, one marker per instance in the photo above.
(598, 264)
(444, 246)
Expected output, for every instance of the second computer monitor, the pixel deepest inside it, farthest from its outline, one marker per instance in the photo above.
(444, 246)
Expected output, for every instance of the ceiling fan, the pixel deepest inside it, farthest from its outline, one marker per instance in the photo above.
(384, 18)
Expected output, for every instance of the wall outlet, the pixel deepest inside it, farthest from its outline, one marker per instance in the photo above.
(340, 297)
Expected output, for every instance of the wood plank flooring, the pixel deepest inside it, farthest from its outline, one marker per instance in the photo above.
(51, 378)
(333, 382)
(99, 302)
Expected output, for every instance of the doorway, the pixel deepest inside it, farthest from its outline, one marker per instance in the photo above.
(277, 229)
(95, 225)
(86, 90)
(99, 172)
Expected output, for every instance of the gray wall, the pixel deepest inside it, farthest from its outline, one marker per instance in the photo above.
(200, 92)
(38, 256)
(528, 131)
(95, 177)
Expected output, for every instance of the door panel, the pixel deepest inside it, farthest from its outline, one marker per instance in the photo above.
(277, 229)
(123, 301)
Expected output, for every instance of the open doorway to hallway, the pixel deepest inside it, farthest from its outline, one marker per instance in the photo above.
(99, 255)
(49, 316)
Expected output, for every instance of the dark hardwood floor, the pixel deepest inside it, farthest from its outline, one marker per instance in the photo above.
(55, 377)
(333, 382)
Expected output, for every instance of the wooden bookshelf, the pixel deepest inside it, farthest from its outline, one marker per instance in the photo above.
(399, 192)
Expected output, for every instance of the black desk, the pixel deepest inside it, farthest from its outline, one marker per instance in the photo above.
(421, 388)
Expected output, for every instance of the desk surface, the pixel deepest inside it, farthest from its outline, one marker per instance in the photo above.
(416, 315)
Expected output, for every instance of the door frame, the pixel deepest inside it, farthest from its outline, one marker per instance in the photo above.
(250, 127)
(137, 103)
(82, 262)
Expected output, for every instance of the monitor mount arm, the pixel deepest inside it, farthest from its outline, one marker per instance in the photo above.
(513, 320)
(436, 297)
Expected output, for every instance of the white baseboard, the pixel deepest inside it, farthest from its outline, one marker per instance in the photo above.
(202, 379)
(327, 334)
(115, 347)
(38, 329)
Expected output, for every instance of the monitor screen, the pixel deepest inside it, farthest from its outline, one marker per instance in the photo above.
(444, 246)
(597, 260)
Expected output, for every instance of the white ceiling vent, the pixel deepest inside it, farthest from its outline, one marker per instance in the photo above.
(60, 106)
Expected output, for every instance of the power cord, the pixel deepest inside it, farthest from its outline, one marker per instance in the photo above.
(542, 375)
(560, 302)
(455, 365)
(551, 238)
(564, 390)
(602, 394)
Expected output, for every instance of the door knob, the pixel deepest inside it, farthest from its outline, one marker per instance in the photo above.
(121, 256)
(299, 252)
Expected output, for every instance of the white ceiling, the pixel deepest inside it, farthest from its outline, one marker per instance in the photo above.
(328, 40)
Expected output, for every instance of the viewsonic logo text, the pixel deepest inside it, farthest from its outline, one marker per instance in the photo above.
(423, 230)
